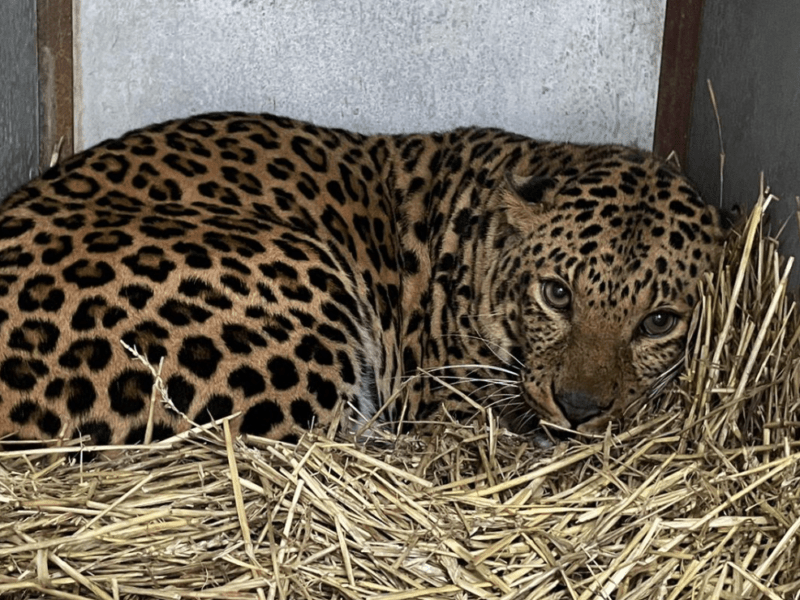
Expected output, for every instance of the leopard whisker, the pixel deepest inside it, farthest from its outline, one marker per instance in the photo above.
(485, 381)
(664, 380)
(475, 366)
(460, 379)
(493, 347)
(527, 417)
(502, 400)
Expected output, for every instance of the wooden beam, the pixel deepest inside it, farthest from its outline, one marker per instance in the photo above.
(54, 22)
(679, 56)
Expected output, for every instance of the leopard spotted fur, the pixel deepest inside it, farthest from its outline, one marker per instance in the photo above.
(285, 272)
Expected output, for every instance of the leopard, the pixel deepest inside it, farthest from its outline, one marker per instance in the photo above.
(282, 275)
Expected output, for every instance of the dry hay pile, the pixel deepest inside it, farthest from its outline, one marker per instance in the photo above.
(696, 497)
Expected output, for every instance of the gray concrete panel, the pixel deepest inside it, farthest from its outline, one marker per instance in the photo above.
(19, 138)
(751, 53)
(581, 70)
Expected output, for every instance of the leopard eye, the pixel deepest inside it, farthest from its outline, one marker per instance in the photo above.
(556, 294)
(659, 323)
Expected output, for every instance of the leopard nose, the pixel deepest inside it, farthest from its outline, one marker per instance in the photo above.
(578, 407)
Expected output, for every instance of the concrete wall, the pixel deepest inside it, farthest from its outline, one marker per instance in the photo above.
(19, 139)
(583, 70)
(751, 52)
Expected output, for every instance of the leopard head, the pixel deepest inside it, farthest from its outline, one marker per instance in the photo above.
(595, 285)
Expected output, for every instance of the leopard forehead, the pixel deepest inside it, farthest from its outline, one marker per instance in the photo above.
(625, 229)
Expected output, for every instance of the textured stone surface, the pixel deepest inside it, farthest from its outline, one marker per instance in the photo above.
(579, 70)
(751, 54)
(19, 140)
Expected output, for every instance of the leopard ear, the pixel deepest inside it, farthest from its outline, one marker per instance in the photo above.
(523, 198)
(531, 189)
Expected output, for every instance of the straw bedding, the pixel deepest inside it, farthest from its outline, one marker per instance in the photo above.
(692, 496)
